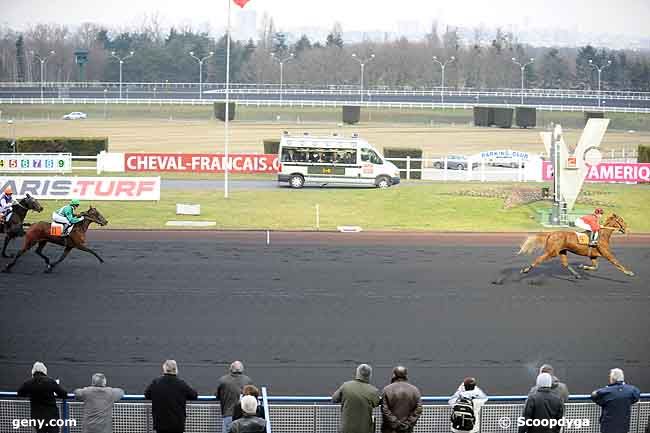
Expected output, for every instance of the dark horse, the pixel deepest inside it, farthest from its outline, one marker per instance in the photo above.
(561, 242)
(39, 233)
(14, 227)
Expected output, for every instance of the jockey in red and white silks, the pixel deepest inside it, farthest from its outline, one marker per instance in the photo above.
(591, 224)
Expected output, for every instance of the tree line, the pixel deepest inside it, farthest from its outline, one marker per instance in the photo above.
(484, 61)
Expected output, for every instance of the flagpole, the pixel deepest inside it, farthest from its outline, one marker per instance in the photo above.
(227, 137)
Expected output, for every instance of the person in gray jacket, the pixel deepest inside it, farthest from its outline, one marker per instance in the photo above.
(558, 388)
(229, 389)
(98, 404)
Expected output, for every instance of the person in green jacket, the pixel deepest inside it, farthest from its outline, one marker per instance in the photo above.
(358, 399)
(66, 216)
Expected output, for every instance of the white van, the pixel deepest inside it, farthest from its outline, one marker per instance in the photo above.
(333, 160)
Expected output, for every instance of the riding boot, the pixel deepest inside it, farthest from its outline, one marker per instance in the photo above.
(593, 239)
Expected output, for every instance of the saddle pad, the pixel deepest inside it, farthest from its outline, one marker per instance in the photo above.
(56, 229)
(583, 239)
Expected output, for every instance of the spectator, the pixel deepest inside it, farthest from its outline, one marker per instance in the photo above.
(249, 423)
(98, 404)
(41, 390)
(469, 390)
(401, 404)
(543, 405)
(558, 388)
(169, 395)
(358, 398)
(248, 390)
(229, 388)
(616, 400)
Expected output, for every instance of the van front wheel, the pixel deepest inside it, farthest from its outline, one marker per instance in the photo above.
(382, 182)
(296, 181)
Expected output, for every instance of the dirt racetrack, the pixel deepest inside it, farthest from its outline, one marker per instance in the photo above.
(304, 310)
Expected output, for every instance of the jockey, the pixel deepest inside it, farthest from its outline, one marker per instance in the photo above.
(591, 224)
(6, 201)
(66, 216)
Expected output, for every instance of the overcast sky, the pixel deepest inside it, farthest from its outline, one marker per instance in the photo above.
(629, 17)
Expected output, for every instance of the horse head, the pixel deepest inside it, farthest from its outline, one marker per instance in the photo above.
(93, 215)
(30, 203)
(616, 222)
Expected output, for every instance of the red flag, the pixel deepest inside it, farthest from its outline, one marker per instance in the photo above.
(241, 3)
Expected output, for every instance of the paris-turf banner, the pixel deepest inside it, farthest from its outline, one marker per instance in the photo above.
(201, 163)
(609, 172)
(84, 188)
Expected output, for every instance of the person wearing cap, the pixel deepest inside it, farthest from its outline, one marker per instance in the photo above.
(591, 224)
(98, 402)
(557, 387)
(249, 423)
(66, 216)
(41, 390)
(543, 405)
(616, 400)
(238, 412)
(358, 398)
(6, 203)
(468, 389)
(401, 404)
(229, 389)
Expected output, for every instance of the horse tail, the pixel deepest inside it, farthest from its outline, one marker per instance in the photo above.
(532, 243)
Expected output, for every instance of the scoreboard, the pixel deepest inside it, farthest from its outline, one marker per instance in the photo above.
(35, 162)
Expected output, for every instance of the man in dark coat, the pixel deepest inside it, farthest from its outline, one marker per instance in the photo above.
(558, 388)
(358, 398)
(229, 388)
(401, 404)
(249, 423)
(544, 406)
(41, 390)
(169, 395)
(616, 400)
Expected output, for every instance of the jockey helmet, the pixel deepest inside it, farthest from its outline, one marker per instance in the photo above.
(8, 190)
(599, 211)
(74, 202)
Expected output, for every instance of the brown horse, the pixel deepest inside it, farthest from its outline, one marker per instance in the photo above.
(14, 227)
(561, 242)
(39, 233)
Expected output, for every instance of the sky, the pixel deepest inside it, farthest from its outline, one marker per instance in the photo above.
(628, 17)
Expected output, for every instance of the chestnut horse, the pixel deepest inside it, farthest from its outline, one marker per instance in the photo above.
(39, 233)
(14, 227)
(561, 242)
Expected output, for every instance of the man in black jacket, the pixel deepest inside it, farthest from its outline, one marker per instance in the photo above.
(229, 388)
(169, 395)
(41, 390)
(542, 407)
(249, 423)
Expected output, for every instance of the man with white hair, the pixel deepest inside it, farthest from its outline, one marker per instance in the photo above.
(249, 423)
(229, 388)
(358, 398)
(542, 405)
(169, 395)
(98, 402)
(616, 400)
(41, 390)
(557, 387)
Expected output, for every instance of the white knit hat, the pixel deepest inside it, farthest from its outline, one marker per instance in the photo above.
(249, 404)
(544, 380)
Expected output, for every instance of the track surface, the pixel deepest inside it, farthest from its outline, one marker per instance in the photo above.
(302, 312)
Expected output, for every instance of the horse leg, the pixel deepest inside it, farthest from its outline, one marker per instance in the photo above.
(4, 248)
(88, 250)
(593, 267)
(28, 245)
(564, 258)
(614, 261)
(537, 261)
(65, 253)
(39, 251)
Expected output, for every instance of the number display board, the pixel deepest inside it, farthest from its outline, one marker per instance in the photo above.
(35, 162)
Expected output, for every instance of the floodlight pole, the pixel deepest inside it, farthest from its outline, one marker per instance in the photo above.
(363, 65)
(600, 70)
(523, 70)
(121, 60)
(43, 61)
(281, 62)
(443, 66)
(200, 60)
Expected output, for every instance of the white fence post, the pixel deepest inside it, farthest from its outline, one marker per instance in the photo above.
(408, 167)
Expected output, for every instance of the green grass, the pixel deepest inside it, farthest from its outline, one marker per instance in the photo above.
(431, 207)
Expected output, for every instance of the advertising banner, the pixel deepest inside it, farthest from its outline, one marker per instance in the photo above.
(201, 163)
(609, 172)
(85, 188)
(35, 162)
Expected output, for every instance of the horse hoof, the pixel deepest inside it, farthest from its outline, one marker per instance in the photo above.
(48, 270)
(629, 273)
(6, 270)
(525, 270)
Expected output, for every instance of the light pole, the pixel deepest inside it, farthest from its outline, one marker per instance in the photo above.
(362, 62)
(523, 70)
(43, 61)
(443, 66)
(121, 60)
(105, 92)
(281, 62)
(200, 70)
(600, 70)
(12, 127)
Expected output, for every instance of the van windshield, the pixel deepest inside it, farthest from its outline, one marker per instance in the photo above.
(368, 155)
